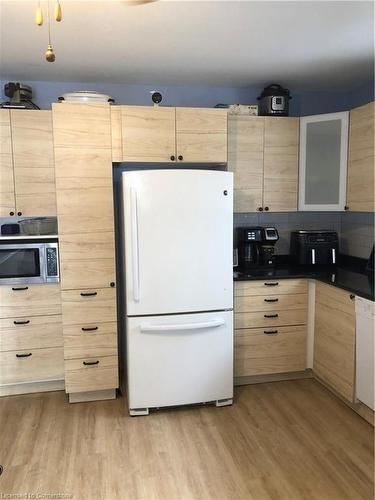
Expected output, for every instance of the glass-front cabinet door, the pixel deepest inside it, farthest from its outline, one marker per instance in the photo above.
(323, 161)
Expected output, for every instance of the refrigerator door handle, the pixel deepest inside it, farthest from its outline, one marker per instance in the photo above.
(313, 256)
(135, 249)
(333, 256)
(182, 326)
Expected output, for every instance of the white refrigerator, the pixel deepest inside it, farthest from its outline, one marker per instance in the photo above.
(178, 251)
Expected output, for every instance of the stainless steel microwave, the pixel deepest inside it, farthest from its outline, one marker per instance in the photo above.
(29, 262)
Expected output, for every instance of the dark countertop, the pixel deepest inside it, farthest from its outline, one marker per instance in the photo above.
(348, 276)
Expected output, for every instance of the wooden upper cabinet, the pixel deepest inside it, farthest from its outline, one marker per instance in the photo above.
(79, 125)
(334, 343)
(7, 198)
(201, 135)
(360, 186)
(281, 144)
(245, 160)
(148, 134)
(33, 158)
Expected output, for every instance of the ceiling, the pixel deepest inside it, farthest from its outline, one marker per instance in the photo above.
(311, 45)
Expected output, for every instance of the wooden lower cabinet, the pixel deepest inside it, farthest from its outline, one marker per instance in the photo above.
(334, 342)
(31, 339)
(260, 351)
(270, 327)
(91, 374)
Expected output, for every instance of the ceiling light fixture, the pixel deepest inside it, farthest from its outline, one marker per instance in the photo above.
(50, 54)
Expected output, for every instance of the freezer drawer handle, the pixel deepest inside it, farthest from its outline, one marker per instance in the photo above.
(183, 326)
(271, 315)
(135, 249)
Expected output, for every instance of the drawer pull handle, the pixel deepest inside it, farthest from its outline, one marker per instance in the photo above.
(89, 328)
(271, 284)
(23, 355)
(19, 288)
(88, 294)
(25, 322)
(90, 363)
(271, 300)
(271, 332)
(271, 315)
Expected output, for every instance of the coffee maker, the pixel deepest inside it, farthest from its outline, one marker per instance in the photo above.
(256, 247)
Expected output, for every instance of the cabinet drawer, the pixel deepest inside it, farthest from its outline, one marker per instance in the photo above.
(258, 353)
(253, 303)
(30, 333)
(30, 300)
(89, 306)
(89, 340)
(270, 318)
(36, 365)
(270, 287)
(93, 377)
(94, 273)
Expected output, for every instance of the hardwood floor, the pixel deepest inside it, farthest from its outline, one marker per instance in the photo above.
(283, 440)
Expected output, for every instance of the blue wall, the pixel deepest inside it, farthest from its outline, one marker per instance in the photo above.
(302, 103)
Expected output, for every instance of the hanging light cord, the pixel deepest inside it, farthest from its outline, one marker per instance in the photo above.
(49, 24)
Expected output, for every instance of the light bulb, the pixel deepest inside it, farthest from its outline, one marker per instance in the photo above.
(50, 55)
(39, 16)
(58, 12)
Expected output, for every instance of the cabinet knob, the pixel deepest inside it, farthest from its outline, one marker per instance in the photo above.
(112, 284)
(180, 157)
(346, 207)
(352, 297)
(19, 213)
(266, 209)
(11, 213)
(173, 157)
(260, 209)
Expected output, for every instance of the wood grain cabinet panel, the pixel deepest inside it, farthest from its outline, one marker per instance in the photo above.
(88, 340)
(260, 351)
(116, 133)
(35, 332)
(7, 197)
(78, 125)
(89, 306)
(245, 160)
(361, 160)
(93, 273)
(87, 246)
(270, 287)
(91, 374)
(30, 300)
(270, 318)
(334, 344)
(271, 302)
(201, 135)
(281, 145)
(31, 365)
(33, 159)
(148, 133)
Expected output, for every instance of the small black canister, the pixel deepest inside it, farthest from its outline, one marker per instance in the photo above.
(9, 229)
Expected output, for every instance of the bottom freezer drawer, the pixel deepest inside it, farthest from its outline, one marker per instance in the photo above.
(179, 359)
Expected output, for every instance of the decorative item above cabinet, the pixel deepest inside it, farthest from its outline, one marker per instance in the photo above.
(323, 162)
(164, 135)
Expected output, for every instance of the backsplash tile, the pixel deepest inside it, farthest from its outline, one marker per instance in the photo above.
(355, 229)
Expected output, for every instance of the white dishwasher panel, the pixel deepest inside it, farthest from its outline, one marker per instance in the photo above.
(365, 351)
(179, 359)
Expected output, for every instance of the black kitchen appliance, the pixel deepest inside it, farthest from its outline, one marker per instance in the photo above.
(274, 101)
(314, 247)
(20, 96)
(256, 247)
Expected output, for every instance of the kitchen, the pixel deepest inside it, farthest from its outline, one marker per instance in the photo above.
(186, 286)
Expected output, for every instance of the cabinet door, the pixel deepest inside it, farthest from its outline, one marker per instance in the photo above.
(334, 344)
(34, 170)
(281, 141)
(7, 199)
(148, 134)
(323, 161)
(201, 135)
(360, 191)
(245, 160)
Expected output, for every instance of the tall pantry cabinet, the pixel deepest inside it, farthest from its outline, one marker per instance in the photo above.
(83, 164)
